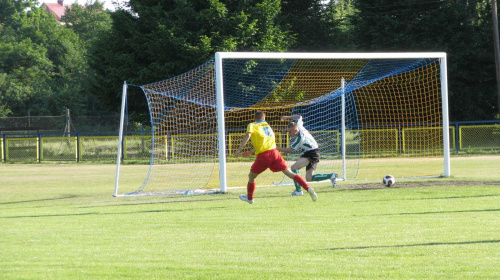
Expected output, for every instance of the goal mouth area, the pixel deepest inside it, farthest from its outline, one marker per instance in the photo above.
(370, 114)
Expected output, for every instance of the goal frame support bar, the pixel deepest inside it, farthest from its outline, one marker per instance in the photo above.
(342, 145)
(120, 136)
(446, 121)
(220, 122)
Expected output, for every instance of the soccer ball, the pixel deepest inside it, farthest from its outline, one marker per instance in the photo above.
(388, 180)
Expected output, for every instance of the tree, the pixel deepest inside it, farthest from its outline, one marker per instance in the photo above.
(89, 22)
(457, 27)
(24, 66)
(315, 24)
(43, 63)
(155, 40)
(40, 63)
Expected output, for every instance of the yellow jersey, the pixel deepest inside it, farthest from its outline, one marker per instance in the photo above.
(262, 136)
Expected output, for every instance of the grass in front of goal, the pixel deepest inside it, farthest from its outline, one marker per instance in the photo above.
(61, 222)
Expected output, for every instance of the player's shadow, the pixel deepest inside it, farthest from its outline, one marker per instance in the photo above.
(171, 200)
(38, 200)
(106, 213)
(414, 245)
(434, 212)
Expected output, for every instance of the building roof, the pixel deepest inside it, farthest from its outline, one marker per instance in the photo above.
(57, 9)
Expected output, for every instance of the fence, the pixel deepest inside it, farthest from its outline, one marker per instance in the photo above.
(62, 123)
(465, 137)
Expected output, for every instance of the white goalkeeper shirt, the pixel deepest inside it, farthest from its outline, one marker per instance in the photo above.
(304, 141)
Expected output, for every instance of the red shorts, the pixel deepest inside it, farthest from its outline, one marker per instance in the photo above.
(269, 159)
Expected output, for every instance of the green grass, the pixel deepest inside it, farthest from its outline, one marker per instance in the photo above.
(60, 221)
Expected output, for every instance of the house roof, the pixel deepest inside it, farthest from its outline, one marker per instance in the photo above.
(57, 9)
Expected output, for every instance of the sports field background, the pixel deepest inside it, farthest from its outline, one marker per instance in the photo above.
(60, 221)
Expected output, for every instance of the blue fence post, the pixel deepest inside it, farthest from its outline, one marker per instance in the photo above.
(123, 152)
(77, 147)
(4, 136)
(400, 140)
(457, 138)
(39, 147)
(169, 146)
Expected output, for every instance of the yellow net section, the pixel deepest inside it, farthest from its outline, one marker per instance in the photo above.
(400, 124)
(402, 114)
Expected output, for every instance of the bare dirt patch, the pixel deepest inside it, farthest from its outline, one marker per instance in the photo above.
(418, 184)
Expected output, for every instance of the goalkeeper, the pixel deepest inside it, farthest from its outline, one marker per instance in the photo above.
(305, 142)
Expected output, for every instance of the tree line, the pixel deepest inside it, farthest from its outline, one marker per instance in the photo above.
(81, 62)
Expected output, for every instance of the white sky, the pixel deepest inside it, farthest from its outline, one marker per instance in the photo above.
(108, 4)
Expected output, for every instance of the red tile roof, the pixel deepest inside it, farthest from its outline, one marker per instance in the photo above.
(57, 9)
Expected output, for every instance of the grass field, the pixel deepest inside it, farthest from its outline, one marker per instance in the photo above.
(60, 221)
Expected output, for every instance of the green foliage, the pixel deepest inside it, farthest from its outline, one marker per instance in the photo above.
(46, 66)
(462, 29)
(43, 63)
(24, 67)
(316, 26)
(156, 40)
(87, 21)
(288, 91)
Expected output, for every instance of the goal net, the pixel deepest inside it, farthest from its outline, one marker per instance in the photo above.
(371, 114)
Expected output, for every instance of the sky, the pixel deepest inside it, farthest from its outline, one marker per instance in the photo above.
(108, 4)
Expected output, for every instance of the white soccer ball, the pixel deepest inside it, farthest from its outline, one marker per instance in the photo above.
(388, 180)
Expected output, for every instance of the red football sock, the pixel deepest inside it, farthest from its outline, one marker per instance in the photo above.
(250, 190)
(301, 182)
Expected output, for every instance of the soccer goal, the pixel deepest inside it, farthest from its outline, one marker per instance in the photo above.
(372, 114)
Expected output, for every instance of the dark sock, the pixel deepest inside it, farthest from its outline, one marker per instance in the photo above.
(297, 186)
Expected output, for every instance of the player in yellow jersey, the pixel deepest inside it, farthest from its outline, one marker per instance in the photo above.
(264, 143)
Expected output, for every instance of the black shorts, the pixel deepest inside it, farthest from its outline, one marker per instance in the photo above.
(313, 157)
